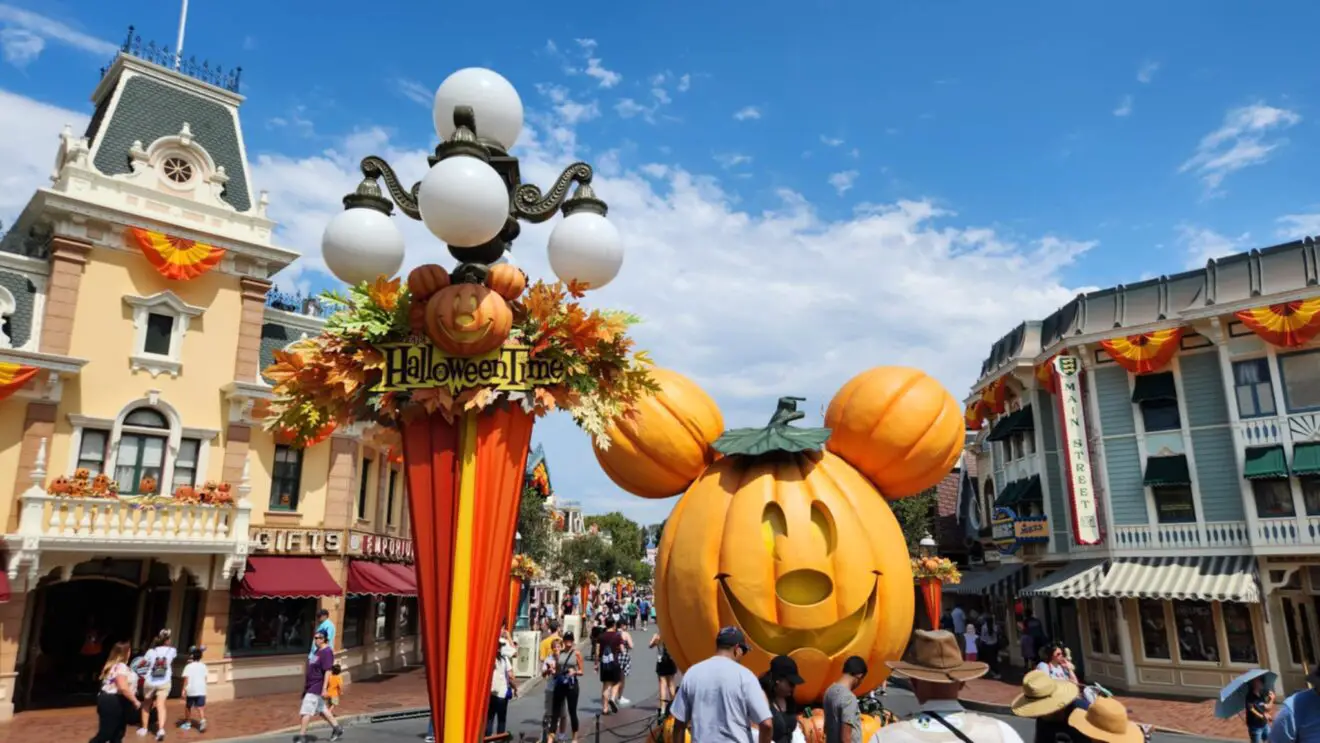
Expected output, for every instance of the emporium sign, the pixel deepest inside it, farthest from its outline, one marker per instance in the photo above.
(386, 549)
(417, 365)
(1077, 452)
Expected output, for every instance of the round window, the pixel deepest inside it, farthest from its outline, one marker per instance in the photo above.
(177, 169)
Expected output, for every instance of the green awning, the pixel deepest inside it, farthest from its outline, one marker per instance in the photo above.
(1008, 497)
(1019, 421)
(1031, 492)
(1154, 387)
(1167, 471)
(1306, 458)
(1265, 463)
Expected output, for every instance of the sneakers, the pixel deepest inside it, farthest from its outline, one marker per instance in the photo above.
(201, 726)
(614, 705)
(625, 701)
(337, 732)
(429, 739)
(160, 735)
(142, 732)
(186, 726)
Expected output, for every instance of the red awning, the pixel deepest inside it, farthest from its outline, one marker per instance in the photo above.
(375, 579)
(407, 576)
(269, 577)
(4, 587)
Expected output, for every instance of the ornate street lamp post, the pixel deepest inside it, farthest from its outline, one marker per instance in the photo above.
(465, 469)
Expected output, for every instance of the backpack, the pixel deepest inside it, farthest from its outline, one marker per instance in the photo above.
(609, 654)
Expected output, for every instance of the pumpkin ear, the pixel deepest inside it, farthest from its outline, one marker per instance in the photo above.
(506, 280)
(425, 281)
(899, 427)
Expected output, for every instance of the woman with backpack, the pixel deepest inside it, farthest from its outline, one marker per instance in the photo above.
(609, 663)
(568, 670)
(159, 662)
(665, 670)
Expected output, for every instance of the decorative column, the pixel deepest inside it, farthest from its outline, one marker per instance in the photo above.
(68, 260)
(38, 430)
(247, 364)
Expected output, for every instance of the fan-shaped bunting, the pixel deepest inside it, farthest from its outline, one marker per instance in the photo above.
(1286, 325)
(975, 416)
(13, 377)
(175, 258)
(1145, 352)
(1045, 376)
(993, 396)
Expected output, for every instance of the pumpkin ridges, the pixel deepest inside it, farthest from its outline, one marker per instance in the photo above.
(945, 468)
(641, 446)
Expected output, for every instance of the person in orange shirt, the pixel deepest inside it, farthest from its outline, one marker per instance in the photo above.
(334, 686)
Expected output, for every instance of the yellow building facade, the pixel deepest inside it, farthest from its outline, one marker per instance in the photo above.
(136, 314)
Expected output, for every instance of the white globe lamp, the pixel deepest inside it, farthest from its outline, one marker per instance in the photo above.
(463, 201)
(361, 244)
(498, 109)
(584, 247)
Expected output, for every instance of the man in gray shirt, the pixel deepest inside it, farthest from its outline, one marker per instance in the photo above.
(843, 720)
(720, 700)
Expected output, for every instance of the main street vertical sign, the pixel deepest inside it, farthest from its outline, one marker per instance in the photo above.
(1077, 452)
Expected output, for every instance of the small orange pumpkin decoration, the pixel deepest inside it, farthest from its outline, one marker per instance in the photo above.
(425, 281)
(506, 280)
(899, 427)
(664, 733)
(147, 486)
(60, 486)
(793, 545)
(468, 319)
(663, 446)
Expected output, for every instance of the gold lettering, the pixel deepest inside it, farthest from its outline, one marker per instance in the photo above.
(411, 366)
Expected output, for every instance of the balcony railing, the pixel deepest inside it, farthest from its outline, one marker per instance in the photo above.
(1278, 428)
(1288, 532)
(1023, 467)
(175, 527)
(1213, 535)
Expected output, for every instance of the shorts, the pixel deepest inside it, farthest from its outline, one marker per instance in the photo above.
(312, 705)
(152, 688)
(332, 702)
(195, 702)
(666, 666)
(611, 674)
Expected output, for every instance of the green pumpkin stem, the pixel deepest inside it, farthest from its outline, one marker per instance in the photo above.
(779, 436)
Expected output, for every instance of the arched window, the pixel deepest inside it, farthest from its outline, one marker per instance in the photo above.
(987, 501)
(142, 446)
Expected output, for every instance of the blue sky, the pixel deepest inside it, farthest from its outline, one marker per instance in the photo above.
(805, 191)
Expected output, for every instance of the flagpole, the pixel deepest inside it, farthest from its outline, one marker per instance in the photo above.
(178, 47)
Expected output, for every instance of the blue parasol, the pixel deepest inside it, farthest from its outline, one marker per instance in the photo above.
(1233, 698)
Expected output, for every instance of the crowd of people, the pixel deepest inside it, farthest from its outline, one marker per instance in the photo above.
(135, 689)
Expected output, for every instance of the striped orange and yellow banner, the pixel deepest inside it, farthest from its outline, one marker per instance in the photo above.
(1146, 352)
(13, 377)
(1286, 325)
(175, 258)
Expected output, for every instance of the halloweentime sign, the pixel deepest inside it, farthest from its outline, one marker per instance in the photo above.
(420, 365)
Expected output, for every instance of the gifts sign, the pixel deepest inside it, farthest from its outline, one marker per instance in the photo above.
(1077, 453)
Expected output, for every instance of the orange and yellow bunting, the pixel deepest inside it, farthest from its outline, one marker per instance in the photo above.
(13, 377)
(175, 258)
(1146, 352)
(993, 396)
(975, 416)
(1286, 325)
(1045, 375)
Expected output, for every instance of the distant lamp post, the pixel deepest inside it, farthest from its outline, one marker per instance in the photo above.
(931, 572)
(927, 545)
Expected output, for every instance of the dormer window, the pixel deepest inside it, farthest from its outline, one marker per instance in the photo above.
(177, 169)
(161, 323)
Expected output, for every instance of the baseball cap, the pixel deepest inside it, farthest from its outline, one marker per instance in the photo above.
(854, 666)
(784, 667)
(731, 637)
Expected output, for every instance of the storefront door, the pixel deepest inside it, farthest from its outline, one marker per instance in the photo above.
(1072, 634)
(74, 626)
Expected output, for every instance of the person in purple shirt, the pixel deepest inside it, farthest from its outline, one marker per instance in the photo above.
(314, 689)
(1298, 718)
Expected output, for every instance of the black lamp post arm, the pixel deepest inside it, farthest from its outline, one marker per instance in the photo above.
(374, 167)
(530, 204)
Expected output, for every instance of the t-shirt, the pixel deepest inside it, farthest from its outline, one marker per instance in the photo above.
(611, 645)
(719, 700)
(1058, 673)
(969, 639)
(110, 684)
(1256, 721)
(160, 663)
(1298, 719)
(959, 621)
(194, 679)
(320, 664)
(545, 646)
(328, 628)
(842, 715)
(499, 677)
(334, 686)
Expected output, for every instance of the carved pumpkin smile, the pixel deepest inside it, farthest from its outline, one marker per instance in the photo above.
(466, 329)
(777, 639)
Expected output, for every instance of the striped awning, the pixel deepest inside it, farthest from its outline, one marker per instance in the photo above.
(1226, 578)
(1075, 580)
(1003, 580)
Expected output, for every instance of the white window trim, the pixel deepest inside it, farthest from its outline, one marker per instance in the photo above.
(81, 424)
(163, 303)
(173, 434)
(7, 308)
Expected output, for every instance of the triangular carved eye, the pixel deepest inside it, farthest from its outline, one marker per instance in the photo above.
(823, 525)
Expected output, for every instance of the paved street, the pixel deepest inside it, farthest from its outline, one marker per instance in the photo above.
(642, 687)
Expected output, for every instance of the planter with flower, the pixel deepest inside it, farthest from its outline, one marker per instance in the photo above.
(931, 574)
(522, 570)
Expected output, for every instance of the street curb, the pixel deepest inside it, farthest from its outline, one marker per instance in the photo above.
(1007, 710)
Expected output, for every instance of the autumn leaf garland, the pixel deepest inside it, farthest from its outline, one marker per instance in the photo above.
(332, 377)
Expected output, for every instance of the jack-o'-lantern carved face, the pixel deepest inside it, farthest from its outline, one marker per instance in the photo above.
(468, 319)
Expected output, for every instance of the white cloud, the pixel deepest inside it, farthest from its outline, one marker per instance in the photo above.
(733, 160)
(628, 108)
(1200, 244)
(1147, 71)
(570, 111)
(1241, 141)
(854, 153)
(757, 303)
(20, 46)
(1124, 107)
(747, 112)
(1294, 226)
(28, 32)
(684, 83)
(415, 92)
(831, 141)
(606, 78)
(843, 181)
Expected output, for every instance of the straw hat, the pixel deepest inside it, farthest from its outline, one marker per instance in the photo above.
(1042, 695)
(934, 656)
(1106, 721)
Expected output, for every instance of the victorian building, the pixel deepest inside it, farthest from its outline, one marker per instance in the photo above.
(1148, 465)
(143, 492)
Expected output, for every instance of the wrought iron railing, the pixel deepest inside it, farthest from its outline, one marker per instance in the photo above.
(161, 55)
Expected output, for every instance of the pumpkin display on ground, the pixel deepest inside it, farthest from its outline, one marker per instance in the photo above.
(658, 450)
(813, 725)
(787, 538)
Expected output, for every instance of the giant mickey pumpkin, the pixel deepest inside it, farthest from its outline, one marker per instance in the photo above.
(786, 535)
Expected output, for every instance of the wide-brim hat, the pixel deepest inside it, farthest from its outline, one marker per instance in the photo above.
(1106, 721)
(934, 656)
(1042, 695)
